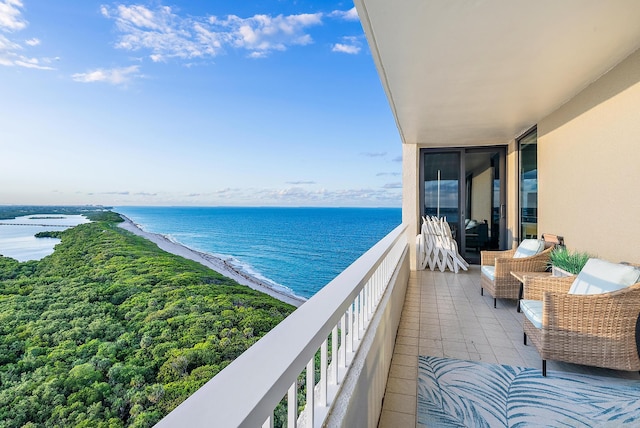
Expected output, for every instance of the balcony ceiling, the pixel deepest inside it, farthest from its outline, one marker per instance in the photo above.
(476, 72)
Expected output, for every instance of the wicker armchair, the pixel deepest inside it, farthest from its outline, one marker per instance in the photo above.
(590, 329)
(496, 268)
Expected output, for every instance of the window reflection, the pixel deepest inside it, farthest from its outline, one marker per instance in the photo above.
(529, 185)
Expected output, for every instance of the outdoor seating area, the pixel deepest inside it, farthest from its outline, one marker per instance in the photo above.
(445, 316)
(589, 319)
(532, 255)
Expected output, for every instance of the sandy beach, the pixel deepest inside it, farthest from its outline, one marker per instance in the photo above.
(212, 262)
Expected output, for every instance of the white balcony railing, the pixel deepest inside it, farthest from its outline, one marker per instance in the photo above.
(247, 391)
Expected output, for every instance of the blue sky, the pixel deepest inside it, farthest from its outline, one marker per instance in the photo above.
(220, 102)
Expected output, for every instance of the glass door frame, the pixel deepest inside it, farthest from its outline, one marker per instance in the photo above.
(529, 132)
(462, 188)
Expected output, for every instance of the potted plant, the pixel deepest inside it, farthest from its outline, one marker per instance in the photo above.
(566, 263)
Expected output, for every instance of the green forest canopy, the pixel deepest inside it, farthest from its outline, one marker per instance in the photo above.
(111, 331)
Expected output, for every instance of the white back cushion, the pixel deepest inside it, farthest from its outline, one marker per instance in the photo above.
(599, 276)
(528, 248)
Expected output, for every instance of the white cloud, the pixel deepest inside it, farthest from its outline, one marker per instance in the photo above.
(126, 192)
(387, 196)
(393, 186)
(7, 45)
(10, 19)
(11, 51)
(349, 49)
(31, 63)
(351, 45)
(301, 182)
(168, 35)
(262, 34)
(347, 15)
(10, 57)
(114, 76)
(290, 196)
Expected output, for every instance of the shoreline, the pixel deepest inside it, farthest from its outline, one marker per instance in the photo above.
(215, 263)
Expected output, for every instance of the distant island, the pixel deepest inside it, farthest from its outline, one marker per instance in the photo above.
(110, 330)
(49, 234)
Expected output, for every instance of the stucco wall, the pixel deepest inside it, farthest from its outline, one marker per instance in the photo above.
(589, 167)
(411, 196)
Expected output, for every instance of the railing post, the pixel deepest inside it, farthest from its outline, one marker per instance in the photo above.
(323, 374)
(268, 423)
(369, 298)
(334, 355)
(343, 340)
(292, 405)
(350, 322)
(361, 313)
(311, 383)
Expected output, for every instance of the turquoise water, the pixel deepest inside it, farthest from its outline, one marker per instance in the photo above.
(301, 249)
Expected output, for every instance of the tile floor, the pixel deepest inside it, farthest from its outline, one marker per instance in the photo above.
(444, 315)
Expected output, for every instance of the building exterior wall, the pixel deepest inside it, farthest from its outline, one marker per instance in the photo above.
(589, 167)
(411, 196)
(513, 186)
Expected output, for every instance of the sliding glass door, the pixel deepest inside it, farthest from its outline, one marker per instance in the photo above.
(442, 187)
(466, 186)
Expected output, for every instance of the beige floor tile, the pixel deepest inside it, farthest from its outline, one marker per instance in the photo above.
(389, 419)
(405, 360)
(431, 347)
(403, 372)
(409, 332)
(414, 325)
(399, 403)
(460, 355)
(407, 340)
(402, 386)
(406, 349)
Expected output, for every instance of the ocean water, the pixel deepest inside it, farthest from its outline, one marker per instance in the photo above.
(17, 236)
(300, 249)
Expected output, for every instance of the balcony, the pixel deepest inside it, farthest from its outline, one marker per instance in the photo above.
(361, 335)
(444, 315)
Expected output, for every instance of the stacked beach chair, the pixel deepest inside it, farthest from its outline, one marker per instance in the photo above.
(435, 246)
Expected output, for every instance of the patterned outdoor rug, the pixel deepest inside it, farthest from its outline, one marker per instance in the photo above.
(457, 393)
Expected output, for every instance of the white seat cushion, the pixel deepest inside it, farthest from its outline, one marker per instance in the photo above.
(599, 276)
(489, 272)
(532, 309)
(528, 248)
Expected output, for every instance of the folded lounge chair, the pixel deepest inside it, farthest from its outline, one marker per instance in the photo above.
(435, 246)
